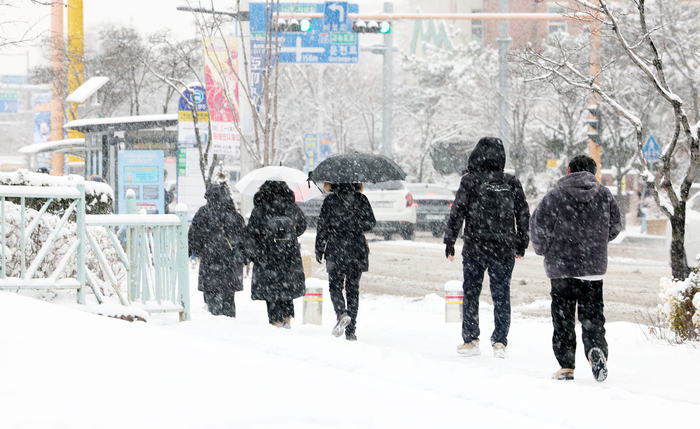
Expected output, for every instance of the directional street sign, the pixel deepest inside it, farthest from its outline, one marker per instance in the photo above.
(651, 150)
(331, 41)
(335, 17)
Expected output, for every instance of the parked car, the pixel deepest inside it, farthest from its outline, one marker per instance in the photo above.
(433, 204)
(692, 230)
(393, 208)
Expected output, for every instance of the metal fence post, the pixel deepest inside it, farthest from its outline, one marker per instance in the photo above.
(183, 264)
(80, 230)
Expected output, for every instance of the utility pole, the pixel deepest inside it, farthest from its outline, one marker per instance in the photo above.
(57, 85)
(387, 89)
(504, 82)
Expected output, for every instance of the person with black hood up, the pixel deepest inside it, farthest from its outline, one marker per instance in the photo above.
(216, 237)
(271, 242)
(571, 228)
(346, 215)
(491, 205)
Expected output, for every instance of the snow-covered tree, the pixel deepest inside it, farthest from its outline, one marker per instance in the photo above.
(659, 40)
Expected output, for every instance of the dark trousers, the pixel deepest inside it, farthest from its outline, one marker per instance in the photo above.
(221, 303)
(348, 278)
(278, 310)
(500, 271)
(566, 293)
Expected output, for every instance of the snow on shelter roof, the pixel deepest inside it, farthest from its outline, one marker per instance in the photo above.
(85, 90)
(55, 146)
(123, 123)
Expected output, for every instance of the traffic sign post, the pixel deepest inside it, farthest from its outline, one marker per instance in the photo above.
(651, 152)
(330, 41)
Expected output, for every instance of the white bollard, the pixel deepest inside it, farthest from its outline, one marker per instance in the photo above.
(454, 295)
(313, 302)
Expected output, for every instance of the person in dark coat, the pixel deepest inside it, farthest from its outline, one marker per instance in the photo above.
(345, 216)
(216, 237)
(271, 241)
(572, 227)
(483, 251)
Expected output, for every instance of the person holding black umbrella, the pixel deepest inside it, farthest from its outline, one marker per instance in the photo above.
(271, 242)
(346, 215)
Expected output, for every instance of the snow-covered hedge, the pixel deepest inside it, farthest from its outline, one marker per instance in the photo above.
(62, 243)
(98, 196)
(680, 305)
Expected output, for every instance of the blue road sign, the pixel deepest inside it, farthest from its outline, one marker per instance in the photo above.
(335, 17)
(318, 46)
(651, 150)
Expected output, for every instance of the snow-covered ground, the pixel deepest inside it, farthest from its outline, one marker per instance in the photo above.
(67, 368)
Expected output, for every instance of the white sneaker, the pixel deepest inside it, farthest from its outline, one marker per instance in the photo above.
(469, 349)
(339, 328)
(499, 351)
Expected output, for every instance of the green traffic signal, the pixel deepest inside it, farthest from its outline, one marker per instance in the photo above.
(385, 27)
(305, 25)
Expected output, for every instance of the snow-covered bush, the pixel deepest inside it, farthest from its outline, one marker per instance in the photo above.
(98, 196)
(61, 244)
(680, 305)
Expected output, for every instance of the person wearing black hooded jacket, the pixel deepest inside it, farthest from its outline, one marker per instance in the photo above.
(483, 251)
(215, 236)
(271, 242)
(346, 215)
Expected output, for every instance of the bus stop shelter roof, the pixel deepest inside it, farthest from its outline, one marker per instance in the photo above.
(73, 146)
(123, 123)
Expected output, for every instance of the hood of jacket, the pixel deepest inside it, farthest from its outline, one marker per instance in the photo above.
(273, 191)
(488, 155)
(582, 186)
(218, 196)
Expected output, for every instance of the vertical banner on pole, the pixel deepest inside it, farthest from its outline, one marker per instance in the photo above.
(311, 152)
(42, 126)
(190, 182)
(324, 148)
(221, 76)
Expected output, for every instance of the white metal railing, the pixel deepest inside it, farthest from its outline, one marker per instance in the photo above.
(155, 258)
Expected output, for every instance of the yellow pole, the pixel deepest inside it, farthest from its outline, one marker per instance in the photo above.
(76, 72)
(593, 148)
(57, 85)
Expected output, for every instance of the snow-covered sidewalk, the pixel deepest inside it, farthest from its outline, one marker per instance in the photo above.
(66, 368)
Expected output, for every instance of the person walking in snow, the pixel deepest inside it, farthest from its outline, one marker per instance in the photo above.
(345, 216)
(216, 237)
(491, 205)
(271, 242)
(572, 227)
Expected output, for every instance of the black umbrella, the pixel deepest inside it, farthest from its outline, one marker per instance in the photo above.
(357, 168)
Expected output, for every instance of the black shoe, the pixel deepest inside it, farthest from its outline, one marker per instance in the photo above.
(343, 321)
(350, 336)
(598, 364)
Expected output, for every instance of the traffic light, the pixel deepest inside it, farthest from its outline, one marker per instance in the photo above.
(292, 25)
(383, 27)
(596, 124)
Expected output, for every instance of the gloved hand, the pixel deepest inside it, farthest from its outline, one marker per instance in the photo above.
(319, 257)
(449, 250)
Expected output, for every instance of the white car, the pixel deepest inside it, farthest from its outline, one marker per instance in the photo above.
(393, 208)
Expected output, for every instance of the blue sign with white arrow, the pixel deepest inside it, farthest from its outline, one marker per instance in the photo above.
(651, 150)
(330, 41)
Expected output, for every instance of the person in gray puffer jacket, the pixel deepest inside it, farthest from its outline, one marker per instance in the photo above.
(571, 228)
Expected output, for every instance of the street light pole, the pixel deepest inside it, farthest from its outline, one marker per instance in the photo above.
(387, 89)
(504, 82)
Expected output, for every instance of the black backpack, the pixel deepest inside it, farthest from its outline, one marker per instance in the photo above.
(280, 228)
(492, 213)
